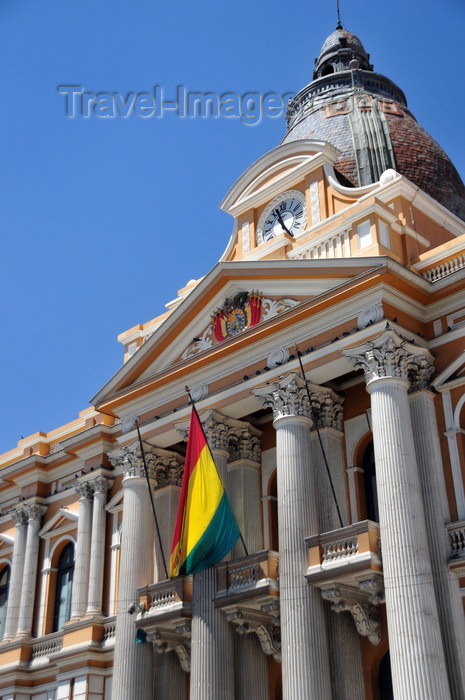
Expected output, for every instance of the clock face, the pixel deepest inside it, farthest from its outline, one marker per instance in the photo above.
(287, 217)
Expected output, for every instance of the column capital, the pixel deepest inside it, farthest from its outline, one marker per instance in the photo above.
(101, 484)
(288, 397)
(167, 466)
(389, 356)
(34, 511)
(239, 439)
(85, 490)
(19, 515)
(327, 407)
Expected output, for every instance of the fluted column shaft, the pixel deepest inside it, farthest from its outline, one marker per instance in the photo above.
(305, 657)
(34, 514)
(212, 651)
(83, 549)
(133, 663)
(417, 657)
(132, 676)
(97, 548)
(17, 570)
(449, 601)
(305, 664)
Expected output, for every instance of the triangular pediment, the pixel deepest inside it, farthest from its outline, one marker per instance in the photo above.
(453, 374)
(275, 172)
(63, 521)
(188, 333)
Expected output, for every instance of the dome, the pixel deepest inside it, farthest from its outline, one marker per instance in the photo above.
(365, 116)
(339, 49)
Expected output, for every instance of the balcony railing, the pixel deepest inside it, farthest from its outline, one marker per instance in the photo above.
(46, 647)
(253, 577)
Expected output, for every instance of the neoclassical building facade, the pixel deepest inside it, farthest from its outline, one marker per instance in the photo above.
(325, 353)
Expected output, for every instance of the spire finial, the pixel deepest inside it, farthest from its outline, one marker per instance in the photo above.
(339, 23)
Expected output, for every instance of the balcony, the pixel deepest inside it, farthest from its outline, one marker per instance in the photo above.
(456, 532)
(346, 566)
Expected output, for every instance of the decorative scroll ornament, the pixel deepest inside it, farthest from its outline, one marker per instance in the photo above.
(364, 613)
(265, 623)
(239, 312)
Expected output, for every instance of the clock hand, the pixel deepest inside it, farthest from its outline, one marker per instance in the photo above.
(281, 221)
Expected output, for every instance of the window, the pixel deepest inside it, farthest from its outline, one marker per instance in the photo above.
(64, 587)
(4, 586)
(369, 477)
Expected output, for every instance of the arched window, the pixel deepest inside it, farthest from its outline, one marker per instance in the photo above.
(369, 477)
(4, 586)
(64, 588)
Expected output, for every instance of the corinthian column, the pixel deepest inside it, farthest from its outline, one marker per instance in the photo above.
(100, 487)
(17, 569)
(417, 657)
(449, 600)
(133, 663)
(34, 514)
(212, 651)
(82, 558)
(305, 658)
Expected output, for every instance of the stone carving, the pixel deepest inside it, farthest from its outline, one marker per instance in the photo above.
(199, 392)
(34, 511)
(327, 408)
(270, 640)
(391, 356)
(244, 443)
(273, 307)
(269, 309)
(370, 314)
(163, 467)
(101, 484)
(264, 623)
(278, 356)
(184, 655)
(204, 342)
(315, 203)
(217, 430)
(365, 614)
(287, 397)
(178, 640)
(19, 515)
(84, 490)
(245, 237)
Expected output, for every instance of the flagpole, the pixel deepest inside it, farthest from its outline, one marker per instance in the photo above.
(315, 420)
(192, 402)
(151, 498)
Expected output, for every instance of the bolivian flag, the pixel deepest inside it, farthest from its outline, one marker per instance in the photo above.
(206, 528)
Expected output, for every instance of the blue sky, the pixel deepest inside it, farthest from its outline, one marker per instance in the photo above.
(103, 220)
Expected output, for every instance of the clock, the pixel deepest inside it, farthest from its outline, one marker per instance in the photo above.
(285, 214)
